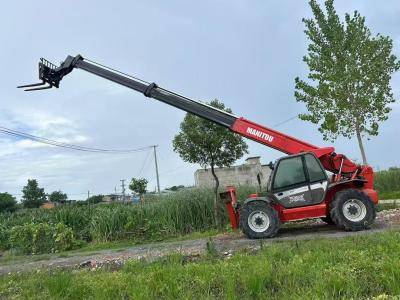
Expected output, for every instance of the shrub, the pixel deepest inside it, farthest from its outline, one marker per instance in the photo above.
(388, 180)
(41, 238)
(58, 196)
(7, 203)
(95, 199)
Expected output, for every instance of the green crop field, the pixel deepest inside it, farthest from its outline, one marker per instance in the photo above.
(387, 183)
(163, 217)
(360, 267)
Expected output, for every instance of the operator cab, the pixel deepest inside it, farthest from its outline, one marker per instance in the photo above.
(298, 180)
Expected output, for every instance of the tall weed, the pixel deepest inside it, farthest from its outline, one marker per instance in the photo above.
(158, 218)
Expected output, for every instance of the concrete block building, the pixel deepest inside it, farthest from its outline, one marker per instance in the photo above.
(252, 172)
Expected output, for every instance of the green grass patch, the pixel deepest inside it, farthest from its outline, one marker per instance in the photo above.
(359, 267)
(387, 206)
(389, 195)
(387, 183)
(10, 257)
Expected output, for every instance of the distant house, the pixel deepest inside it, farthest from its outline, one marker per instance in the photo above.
(120, 198)
(109, 198)
(48, 205)
(250, 173)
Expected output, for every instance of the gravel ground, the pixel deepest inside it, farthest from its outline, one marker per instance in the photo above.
(224, 245)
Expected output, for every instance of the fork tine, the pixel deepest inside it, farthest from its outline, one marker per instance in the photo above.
(33, 84)
(39, 88)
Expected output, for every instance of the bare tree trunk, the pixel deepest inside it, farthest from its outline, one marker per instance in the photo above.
(216, 194)
(360, 144)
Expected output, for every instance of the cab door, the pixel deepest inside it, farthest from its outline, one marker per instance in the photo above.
(290, 185)
(317, 177)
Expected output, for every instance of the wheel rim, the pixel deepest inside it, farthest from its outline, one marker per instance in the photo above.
(258, 221)
(354, 210)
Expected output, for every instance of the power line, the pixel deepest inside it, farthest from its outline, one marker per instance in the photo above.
(144, 163)
(47, 141)
(285, 121)
(169, 171)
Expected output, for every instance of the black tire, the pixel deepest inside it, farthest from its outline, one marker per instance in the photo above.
(328, 220)
(258, 211)
(352, 210)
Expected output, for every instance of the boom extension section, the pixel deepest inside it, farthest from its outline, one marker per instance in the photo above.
(51, 75)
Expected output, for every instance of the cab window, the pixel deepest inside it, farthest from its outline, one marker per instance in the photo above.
(290, 172)
(315, 172)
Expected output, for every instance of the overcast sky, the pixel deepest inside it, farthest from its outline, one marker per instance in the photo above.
(245, 53)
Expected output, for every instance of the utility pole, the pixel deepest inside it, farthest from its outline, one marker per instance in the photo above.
(123, 189)
(155, 160)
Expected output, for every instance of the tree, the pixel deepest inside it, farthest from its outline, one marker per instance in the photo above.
(95, 199)
(58, 196)
(208, 144)
(139, 186)
(33, 196)
(352, 70)
(7, 203)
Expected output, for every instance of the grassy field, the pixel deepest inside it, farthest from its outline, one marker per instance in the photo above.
(160, 218)
(168, 216)
(352, 268)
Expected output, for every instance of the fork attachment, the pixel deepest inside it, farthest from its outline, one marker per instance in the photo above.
(50, 74)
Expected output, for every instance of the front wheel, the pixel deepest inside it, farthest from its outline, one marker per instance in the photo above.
(259, 220)
(352, 210)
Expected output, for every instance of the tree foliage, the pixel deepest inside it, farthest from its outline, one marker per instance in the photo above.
(58, 196)
(95, 199)
(139, 186)
(351, 70)
(208, 144)
(7, 203)
(33, 196)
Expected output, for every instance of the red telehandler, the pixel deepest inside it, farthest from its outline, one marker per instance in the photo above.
(298, 187)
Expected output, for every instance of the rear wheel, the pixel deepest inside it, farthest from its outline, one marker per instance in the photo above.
(259, 220)
(352, 210)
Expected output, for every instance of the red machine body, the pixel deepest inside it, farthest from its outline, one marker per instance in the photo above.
(338, 164)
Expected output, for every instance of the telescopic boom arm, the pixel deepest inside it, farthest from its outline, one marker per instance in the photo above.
(52, 75)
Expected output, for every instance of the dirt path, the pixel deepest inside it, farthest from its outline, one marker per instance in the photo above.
(224, 244)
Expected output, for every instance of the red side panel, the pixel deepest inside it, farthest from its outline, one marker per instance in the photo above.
(298, 213)
(368, 174)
